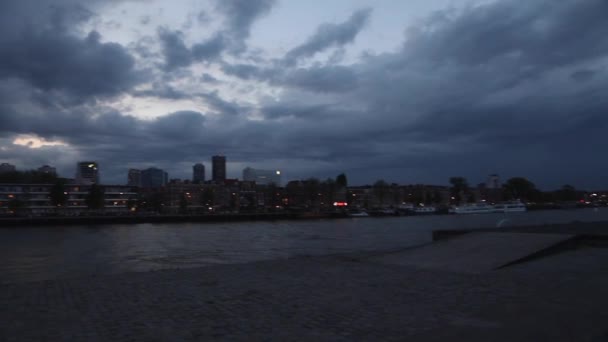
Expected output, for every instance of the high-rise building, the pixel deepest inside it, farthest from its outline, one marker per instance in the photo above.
(87, 172)
(6, 167)
(198, 173)
(47, 169)
(134, 177)
(262, 177)
(493, 182)
(218, 169)
(153, 178)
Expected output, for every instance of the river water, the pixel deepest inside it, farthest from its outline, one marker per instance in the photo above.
(40, 253)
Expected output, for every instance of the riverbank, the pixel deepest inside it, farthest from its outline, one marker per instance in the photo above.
(354, 297)
(135, 219)
(109, 219)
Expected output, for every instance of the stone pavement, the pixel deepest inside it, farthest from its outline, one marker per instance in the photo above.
(331, 298)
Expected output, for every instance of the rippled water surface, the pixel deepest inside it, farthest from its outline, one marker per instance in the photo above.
(38, 253)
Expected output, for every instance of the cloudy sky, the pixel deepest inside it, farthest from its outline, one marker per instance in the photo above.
(409, 91)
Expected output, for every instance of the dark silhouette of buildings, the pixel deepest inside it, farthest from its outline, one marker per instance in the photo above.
(218, 169)
(262, 177)
(198, 173)
(87, 172)
(47, 170)
(134, 177)
(153, 178)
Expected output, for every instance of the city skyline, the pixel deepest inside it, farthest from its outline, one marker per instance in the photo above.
(408, 92)
(155, 177)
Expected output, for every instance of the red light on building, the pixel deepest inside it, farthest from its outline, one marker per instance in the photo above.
(340, 204)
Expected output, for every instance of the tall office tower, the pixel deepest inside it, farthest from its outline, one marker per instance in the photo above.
(262, 177)
(87, 173)
(134, 177)
(153, 178)
(218, 169)
(198, 173)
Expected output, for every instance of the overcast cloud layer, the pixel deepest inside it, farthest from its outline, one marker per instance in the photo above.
(507, 87)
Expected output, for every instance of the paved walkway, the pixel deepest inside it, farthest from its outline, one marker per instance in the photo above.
(335, 298)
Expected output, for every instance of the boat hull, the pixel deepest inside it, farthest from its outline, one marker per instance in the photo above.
(515, 207)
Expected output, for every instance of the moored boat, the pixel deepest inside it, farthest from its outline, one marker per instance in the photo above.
(510, 207)
(383, 212)
(358, 213)
(473, 208)
(485, 208)
(426, 210)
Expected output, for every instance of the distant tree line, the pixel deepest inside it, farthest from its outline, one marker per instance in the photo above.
(516, 188)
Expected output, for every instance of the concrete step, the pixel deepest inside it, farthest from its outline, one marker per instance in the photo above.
(475, 252)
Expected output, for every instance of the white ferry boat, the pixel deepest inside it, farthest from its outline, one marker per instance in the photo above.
(475, 208)
(510, 207)
(484, 208)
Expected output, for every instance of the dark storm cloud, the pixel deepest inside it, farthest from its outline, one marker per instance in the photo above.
(330, 35)
(247, 71)
(59, 15)
(178, 55)
(508, 87)
(203, 17)
(77, 124)
(37, 46)
(502, 81)
(183, 125)
(276, 111)
(322, 79)
(240, 16)
(81, 67)
(207, 78)
(163, 91)
(220, 105)
(316, 78)
(583, 75)
(502, 87)
(174, 49)
(210, 49)
(542, 34)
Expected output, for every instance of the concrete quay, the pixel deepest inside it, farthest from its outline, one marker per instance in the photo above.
(383, 296)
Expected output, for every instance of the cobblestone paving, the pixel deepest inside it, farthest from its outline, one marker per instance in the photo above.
(321, 298)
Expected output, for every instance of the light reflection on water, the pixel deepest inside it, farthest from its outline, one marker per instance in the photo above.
(39, 253)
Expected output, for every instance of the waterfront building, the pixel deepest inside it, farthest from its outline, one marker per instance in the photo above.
(198, 173)
(87, 172)
(218, 169)
(48, 170)
(153, 178)
(176, 192)
(134, 177)
(35, 199)
(262, 177)
(6, 167)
